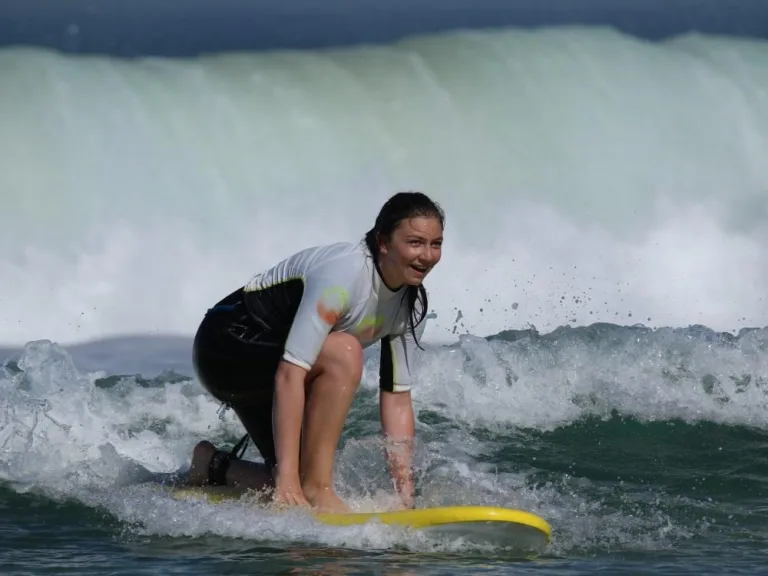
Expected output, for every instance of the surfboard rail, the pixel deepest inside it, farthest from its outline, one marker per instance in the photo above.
(418, 518)
(428, 517)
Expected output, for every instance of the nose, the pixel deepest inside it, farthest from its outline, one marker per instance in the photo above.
(429, 254)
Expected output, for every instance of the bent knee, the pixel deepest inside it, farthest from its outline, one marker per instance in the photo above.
(342, 352)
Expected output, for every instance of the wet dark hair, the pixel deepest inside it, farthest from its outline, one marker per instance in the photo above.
(402, 206)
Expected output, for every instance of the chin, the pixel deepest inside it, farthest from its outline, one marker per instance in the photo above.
(414, 280)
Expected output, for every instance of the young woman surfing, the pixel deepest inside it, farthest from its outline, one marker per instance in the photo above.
(286, 353)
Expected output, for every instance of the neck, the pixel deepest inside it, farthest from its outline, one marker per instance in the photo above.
(386, 277)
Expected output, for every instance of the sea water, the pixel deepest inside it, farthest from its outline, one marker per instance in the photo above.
(594, 354)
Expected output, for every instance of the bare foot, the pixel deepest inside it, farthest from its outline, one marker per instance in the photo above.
(201, 459)
(325, 500)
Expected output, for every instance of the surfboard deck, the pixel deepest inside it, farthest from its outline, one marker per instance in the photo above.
(485, 524)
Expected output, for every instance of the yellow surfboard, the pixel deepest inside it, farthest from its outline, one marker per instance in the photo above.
(484, 524)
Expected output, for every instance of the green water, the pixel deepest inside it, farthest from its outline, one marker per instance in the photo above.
(661, 474)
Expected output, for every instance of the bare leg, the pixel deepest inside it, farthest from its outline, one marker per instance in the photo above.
(333, 381)
(330, 387)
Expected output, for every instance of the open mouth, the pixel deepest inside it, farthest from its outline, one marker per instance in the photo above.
(419, 269)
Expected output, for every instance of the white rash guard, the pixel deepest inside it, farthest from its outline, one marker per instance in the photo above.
(335, 288)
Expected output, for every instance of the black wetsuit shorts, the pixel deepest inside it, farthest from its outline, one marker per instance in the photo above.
(236, 360)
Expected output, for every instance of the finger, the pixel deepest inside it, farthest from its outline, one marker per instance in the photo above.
(301, 500)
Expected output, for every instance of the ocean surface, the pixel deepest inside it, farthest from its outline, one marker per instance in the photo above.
(597, 352)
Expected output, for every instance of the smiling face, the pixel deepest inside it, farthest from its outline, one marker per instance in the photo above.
(411, 251)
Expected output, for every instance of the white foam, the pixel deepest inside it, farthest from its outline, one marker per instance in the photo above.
(571, 162)
(61, 435)
(546, 385)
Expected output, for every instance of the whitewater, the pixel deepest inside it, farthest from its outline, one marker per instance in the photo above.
(597, 352)
(586, 175)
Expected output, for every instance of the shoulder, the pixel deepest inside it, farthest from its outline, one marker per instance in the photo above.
(338, 266)
(343, 258)
(339, 260)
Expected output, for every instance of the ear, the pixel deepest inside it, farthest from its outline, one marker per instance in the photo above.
(381, 243)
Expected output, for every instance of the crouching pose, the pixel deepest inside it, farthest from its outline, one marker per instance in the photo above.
(285, 352)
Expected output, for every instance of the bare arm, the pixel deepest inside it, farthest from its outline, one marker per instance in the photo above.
(288, 414)
(397, 421)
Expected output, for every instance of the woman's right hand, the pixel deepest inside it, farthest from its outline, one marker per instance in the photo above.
(288, 490)
(287, 417)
